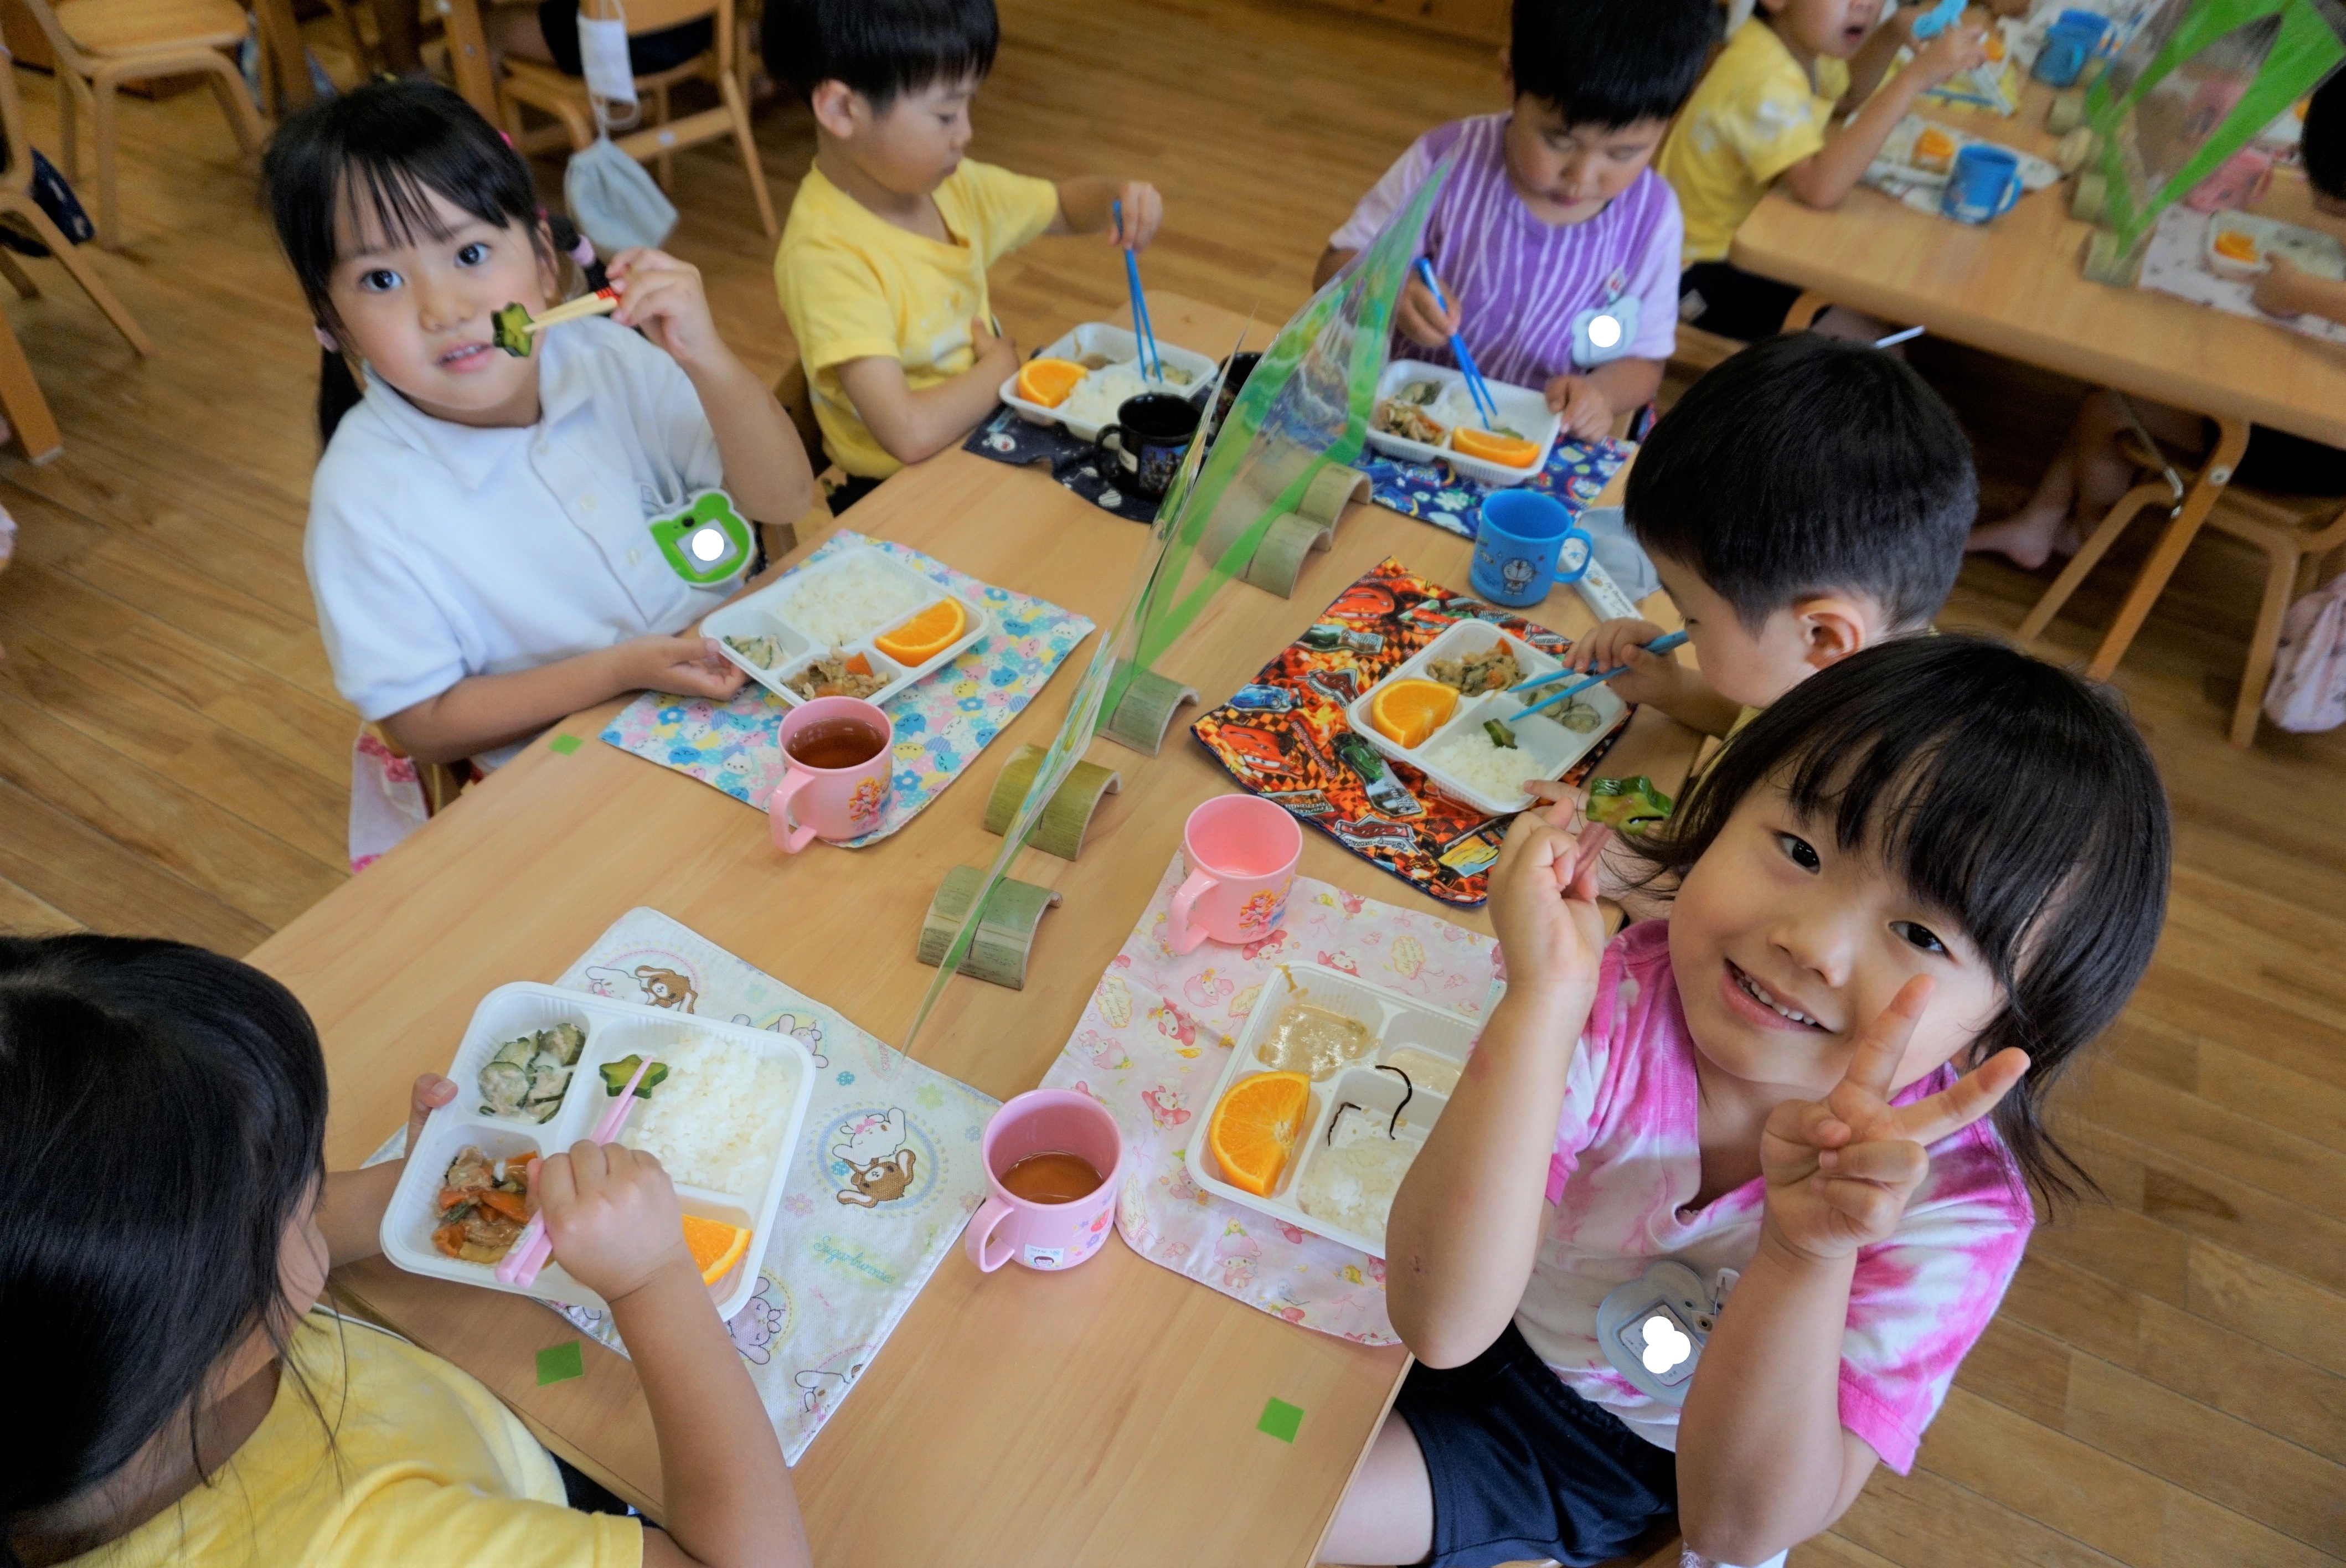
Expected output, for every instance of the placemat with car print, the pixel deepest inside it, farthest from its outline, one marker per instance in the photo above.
(1284, 737)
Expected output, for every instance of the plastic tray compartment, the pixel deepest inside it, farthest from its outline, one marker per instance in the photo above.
(1396, 1023)
(1549, 748)
(2306, 248)
(614, 1030)
(761, 614)
(1094, 339)
(1522, 407)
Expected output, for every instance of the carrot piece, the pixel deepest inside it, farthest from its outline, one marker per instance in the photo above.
(506, 1204)
(858, 664)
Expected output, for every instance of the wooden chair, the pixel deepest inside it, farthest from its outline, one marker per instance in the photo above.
(541, 86)
(102, 44)
(16, 199)
(2303, 539)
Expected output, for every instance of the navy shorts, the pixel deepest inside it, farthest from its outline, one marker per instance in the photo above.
(1722, 298)
(1522, 1466)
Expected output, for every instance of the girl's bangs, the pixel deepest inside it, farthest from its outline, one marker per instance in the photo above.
(396, 198)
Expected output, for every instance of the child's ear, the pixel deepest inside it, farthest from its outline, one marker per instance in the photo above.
(1832, 626)
(833, 103)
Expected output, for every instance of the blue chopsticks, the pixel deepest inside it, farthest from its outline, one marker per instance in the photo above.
(1152, 365)
(1483, 402)
(1660, 645)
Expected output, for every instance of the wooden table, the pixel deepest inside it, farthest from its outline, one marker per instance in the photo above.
(1104, 1417)
(2013, 286)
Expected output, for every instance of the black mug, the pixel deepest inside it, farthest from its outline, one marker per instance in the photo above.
(1235, 372)
(1151, 434)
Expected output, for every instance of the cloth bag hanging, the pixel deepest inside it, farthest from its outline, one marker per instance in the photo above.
(611, 197)
(2308, 691)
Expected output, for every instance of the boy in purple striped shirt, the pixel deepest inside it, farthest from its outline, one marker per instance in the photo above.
(1554, 243)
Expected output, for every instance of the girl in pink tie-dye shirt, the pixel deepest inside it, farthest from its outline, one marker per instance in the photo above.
(1904, 899)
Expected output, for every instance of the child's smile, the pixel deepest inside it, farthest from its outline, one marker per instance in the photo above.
(1767, 1008)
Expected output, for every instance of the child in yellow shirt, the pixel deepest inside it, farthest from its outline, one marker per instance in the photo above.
(1764, 113)
(185, 1399)
(882, 264)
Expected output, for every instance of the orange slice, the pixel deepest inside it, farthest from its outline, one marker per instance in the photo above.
(1254, 1128)
(1048, 382)
(926, 635)
(1408, 711)
(1503, 450)
(2235, 245)
(716, 1246)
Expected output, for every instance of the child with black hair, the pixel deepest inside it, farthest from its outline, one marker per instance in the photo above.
(192, 1402)
(1806, 498)
(882, 264)
(1765, 113)
(2096, 466)
(481, 540)
(1906, 900)
(1555, 244)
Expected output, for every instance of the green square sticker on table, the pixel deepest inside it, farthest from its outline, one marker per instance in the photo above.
(563, 745)
(1279, 1418)
(560, 1363)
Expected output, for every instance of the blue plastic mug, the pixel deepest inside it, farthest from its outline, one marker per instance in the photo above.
(1525, 544)
(1985, 181)
(2069, 42)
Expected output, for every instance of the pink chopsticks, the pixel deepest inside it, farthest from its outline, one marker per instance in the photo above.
(531, 1247)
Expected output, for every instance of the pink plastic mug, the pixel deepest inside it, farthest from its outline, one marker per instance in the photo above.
(1045, 1236)
(830, 801)
(1241, 853)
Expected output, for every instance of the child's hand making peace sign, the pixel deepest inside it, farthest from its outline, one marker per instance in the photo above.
(1840, 1170)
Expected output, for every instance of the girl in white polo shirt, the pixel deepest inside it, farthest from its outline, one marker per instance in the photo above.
(486, 543)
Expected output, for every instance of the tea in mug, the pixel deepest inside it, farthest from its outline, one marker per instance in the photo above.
(835, 743)
(1052, 1177)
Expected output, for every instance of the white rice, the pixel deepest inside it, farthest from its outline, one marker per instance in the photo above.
(1352, 1186)
(717, 1122)
(844, 604)
(1469, 756)
(1102, 391)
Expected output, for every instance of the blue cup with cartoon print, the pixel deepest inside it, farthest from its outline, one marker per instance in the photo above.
(1525, 544)
(1985, 181)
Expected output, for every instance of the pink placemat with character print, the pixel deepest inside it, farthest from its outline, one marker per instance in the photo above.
(885, 1178)
(1149, 1046)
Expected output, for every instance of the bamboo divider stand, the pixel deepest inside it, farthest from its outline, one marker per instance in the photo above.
(1060, 829)
(1005, 932)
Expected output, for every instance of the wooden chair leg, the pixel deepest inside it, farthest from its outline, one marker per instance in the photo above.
(109, 214)
(77, 264)
(2280, 588)
(2231, 442)
(69, 91)
(18, 279)
(281, 46)
(244, 121)
(2114, 522)
(737, 103)
(20, 397)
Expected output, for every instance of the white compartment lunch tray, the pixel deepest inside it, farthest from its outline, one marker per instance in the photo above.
(1521, 407)
(761, 614)
(1549, 748)
(2305, 248)
(614, 1030)
(1396, 1022)
(1119, 347)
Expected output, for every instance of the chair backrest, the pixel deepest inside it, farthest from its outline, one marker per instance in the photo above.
(656, 15)
(60, 44)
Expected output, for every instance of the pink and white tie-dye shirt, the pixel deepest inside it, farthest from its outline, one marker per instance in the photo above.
(1629, 1162)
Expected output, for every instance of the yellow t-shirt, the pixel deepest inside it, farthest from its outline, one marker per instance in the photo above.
(855, 286)
(1753, 116)
(424, 1467)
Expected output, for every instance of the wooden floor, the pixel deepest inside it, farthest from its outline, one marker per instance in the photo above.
(2167, 1384)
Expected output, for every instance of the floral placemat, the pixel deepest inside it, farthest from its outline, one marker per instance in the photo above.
(1149, 1047)
(1435, 493)
(886, 1176)
(941, 722)
(1285, 736)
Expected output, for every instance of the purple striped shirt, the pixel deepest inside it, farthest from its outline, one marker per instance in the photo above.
(1520, 281)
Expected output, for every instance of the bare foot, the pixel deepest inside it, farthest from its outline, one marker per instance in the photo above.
(2028, 539)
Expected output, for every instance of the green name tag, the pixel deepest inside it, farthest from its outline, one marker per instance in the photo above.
(706, 542)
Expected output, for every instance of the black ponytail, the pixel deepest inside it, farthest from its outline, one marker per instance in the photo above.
(338, 392)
